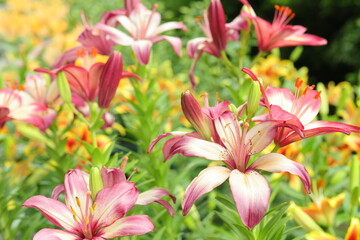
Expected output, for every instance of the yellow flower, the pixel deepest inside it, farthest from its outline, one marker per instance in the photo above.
(324, 210)
(273, 70)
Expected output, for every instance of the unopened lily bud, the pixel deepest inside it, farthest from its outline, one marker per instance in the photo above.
(96, 183)
(233, 109)
(194, 114)
(33, 134)
(109, 79)
(304, 220)
(253, 99)
(64, 87)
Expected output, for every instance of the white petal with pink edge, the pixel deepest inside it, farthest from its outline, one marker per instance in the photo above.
(195, 147)
(141, 50)
(275, 162)
(207, 180)
(251, 192)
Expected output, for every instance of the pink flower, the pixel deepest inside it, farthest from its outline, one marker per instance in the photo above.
(93, 82)
(278, 33)
(299, 110)
(217, 33)
(233, 144)
(143, 26)
(45, 93)
(82, 217)
(19, 105)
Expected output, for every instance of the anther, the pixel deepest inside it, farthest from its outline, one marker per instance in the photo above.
(227, 124)
(317, 95)
(78, 201)
(298, 83)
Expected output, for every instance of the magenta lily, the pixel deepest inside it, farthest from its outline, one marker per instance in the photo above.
(234, 145)
(299, 111)
(19, 105)
(143, 26)
(217, 33)
(82, 217)
(278, 33)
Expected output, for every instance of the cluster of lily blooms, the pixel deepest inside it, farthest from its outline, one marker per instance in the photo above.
(224, 133)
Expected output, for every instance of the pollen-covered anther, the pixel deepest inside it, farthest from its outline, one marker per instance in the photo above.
(81, 52)
(92, 209)
(94, 52)
(78, 201)
(298, 83)
(227, 124)
(317, 95)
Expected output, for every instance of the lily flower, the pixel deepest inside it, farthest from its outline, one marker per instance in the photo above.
(94, 80)
(217, 33)
(19, 105)
(235, 144)
(278, 33)
(44, 93)
(298, 110)
(143, 26)
(84, 217)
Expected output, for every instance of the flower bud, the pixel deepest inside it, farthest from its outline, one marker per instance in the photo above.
(109, 79)
(304, 220)
(253, 99)
(233, 109)
(64, 87)
(96, 183)
(194, 114)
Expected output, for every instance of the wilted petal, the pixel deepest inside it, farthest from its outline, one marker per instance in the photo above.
(56, 212)
(128, 226)
(251, 192)
(114, 202)
(207, 180)
(275, 162)
(55, 234)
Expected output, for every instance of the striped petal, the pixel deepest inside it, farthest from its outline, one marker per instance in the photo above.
(251, 192)
(141, 50)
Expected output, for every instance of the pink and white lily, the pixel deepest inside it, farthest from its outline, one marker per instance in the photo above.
(19, 105)
(144, 28)
(299, 110)
(101, 217)
(217, 33)
(278, 33)
(234, 145)
(45, 93)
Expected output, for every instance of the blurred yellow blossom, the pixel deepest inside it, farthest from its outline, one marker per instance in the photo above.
(273, 70)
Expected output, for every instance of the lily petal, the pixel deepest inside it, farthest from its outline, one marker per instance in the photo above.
(112, 176)
(55, 234)
(155, 195)
(114, 202)
(195, 147)
(128, 226)
(174, 41)
(141, 50)
(275, 162)
(56, 212)
(59, 189)
(207, 180)
(251, 192)
(260, 136)
(169, 26)
(317, 128)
